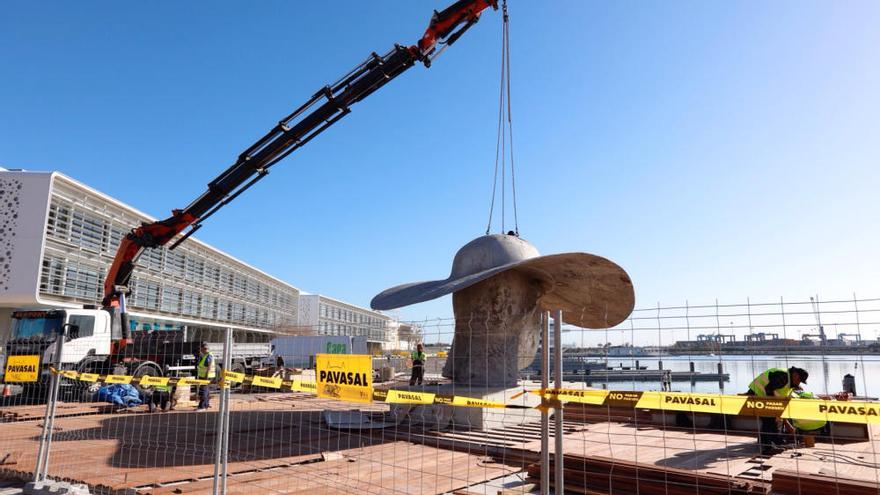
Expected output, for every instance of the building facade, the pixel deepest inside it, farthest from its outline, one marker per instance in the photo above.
(59, 236)
(322, 315)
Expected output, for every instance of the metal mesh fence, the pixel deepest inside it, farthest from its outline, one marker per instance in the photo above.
(655, 405)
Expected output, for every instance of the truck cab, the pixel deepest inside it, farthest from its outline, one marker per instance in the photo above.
(34, 333)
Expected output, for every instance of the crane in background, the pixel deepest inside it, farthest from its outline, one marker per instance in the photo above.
(814, 304)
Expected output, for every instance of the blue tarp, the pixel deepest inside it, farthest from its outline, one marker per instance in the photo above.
(119, 394)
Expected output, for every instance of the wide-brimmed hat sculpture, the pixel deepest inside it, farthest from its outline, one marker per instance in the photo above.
(500, 284)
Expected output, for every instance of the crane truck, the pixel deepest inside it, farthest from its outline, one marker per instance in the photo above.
(101, 340)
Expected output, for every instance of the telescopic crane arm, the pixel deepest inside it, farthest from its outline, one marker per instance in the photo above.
(323, 109)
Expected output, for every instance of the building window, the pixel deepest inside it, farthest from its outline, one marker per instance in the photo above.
(52, 276)
(151, 259)
(171, 299)
(223, 310)
(209, 307)
(82, 281)
(239, 284)
(58, 225)
(86, 231)
(190, 303)
(174, 263)
(194, 270)
(212, 275)
(145, 294)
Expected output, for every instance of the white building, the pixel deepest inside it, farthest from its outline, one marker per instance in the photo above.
(322, 315)
(59, 236)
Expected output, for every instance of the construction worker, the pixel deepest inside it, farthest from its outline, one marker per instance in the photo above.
(205, 370)
(775, 382)
(160, 398)
(418, 366)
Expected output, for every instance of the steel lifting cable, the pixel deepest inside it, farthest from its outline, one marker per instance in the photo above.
(504, 136)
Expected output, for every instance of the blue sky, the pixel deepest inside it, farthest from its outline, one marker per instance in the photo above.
(714, 150)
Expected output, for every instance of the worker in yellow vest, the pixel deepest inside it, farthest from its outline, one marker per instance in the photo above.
(775, 382)
(160, 398)
(205, 370)
(418, 365)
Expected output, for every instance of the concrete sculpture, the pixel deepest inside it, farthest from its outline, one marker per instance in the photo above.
(500, 284)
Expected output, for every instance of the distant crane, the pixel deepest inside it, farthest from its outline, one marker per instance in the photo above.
(814, 303)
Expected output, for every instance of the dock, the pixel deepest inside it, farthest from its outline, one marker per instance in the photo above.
(645, 375)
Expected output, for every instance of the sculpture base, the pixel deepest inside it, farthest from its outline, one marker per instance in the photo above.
(435, 416)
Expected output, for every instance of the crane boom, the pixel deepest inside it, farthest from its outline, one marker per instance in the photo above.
(327, 106)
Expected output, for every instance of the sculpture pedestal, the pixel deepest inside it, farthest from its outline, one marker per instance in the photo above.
(436, 416)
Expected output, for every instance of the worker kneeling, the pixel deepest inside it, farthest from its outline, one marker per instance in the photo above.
(161, 398)
(805, 430)
(775, 382)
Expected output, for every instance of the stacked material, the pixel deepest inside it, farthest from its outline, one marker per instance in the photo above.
(793, 483)
(584, 413)
(601, 475)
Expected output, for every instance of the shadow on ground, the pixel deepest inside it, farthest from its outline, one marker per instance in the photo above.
(189, 438)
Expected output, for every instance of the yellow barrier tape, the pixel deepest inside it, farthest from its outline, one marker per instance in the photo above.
(595, 397)
(706, 403)
(185, 380)
(152, 381)
(303, 386)
(407, 397)
(827, 410)
(232, 376)
(740, 405)
(89, 377)
(117, 379)
(471, 402)
(266, 381)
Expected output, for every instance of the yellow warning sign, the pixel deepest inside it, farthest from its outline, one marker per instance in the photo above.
(345, 376)
(22, 368)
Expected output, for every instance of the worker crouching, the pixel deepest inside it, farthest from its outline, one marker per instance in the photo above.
(161, 398)
(775, 382)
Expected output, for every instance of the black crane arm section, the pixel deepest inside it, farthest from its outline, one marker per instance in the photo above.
(323, 109)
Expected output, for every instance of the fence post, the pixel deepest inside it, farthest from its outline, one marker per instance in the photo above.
(545, 414)
(221, 444)
(41, 470)
(559, 456)
(224, 404)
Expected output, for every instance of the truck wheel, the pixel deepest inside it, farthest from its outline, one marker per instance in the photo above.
(238, 367)
(83, 391)
(143, 369)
